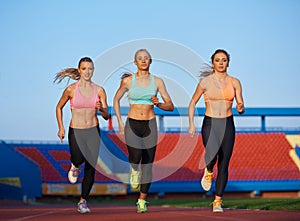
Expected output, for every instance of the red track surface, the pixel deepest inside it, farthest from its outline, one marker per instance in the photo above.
(125, 213)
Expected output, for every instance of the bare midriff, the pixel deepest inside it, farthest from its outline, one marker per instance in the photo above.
(218, 109)
(141, 112)
(83, 118)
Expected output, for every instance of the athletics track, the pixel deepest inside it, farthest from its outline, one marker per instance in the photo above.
(47, 212)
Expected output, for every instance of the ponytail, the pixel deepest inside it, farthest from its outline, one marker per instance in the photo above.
(206, 70)
(72, 73)
(125, 75)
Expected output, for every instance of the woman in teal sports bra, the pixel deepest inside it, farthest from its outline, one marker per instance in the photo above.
(140, 129)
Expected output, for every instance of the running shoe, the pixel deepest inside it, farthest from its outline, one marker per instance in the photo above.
(217, 206)
(82, 207)
(135, 179)
(141, 206)
(207, 180)
(73, 174)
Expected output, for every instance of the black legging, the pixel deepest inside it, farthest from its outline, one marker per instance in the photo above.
(141, 140)
(218, 135)
(84, 148)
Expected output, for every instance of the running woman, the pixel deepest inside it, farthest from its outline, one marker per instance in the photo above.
(86, 98)
(140, 129)
(218, 129)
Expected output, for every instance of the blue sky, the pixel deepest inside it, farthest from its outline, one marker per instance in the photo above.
(39, 38)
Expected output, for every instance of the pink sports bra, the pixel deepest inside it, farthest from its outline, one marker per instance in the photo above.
(213, 92)
(79, 101)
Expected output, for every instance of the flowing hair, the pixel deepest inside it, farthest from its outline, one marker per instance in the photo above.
(126, 73)
(72, 73)
(206, 70)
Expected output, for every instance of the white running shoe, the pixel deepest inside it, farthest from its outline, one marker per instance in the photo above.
(82, 207)
(217, 206)
(135, 179)
(73, 174)
(207, 180)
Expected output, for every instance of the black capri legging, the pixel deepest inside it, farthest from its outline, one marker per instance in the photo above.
(218, 135)
(84, 148)
(141, 141)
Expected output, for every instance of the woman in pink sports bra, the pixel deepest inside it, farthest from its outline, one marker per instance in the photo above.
(86, 98)
(218, 129)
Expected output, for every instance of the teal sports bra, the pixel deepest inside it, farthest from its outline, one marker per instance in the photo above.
(142, 95)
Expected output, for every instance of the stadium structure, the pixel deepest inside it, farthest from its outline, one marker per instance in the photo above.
(264, 159)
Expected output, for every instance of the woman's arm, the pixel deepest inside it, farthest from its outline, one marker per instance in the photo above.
(168, 104)
(59, 114)
(103, 107)
(116, 103)
(191, 109)
(238, 96)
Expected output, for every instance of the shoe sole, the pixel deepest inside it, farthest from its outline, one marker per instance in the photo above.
(70, 176)
(137, 187)
(141, 210)
(83, 212)
(206, 189)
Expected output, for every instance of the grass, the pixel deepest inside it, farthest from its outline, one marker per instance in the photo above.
(292, 204)
(245, 203)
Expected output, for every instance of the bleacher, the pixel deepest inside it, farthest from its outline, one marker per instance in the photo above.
(261, 161)
(257, 157)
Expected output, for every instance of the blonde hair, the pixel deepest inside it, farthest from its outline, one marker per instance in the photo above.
(128, 73)
(72, 73)
(140, 50)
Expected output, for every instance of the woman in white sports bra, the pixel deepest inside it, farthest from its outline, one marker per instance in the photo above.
(140, 129)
